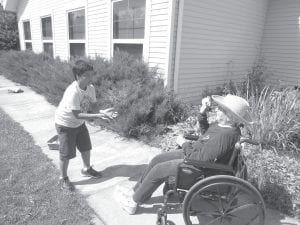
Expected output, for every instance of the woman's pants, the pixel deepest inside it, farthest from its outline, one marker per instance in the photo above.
(159, 169)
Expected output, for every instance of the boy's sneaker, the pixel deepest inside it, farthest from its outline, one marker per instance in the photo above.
(90, 172)
(126, 202)
(65, 184)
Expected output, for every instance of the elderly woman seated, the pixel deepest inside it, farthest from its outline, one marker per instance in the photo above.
(216, 143)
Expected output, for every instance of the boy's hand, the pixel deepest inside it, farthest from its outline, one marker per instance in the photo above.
(103, 117)
(109, 113)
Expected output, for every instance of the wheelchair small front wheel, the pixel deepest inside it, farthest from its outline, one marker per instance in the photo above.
(223, 199)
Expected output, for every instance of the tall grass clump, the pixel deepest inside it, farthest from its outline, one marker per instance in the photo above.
(275, 110)
(136, 91)
(277, 119)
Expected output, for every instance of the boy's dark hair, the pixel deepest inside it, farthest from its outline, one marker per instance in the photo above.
(80, 67)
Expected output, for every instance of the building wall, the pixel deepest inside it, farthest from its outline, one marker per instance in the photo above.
(97, 24)
(98, 28)
(159, 35)
(98, 16)
(219, 41)
(281, 42)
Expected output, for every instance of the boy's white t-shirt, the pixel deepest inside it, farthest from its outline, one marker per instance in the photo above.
(74, 99)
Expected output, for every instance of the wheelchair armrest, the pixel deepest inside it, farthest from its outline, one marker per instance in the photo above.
(208, 165)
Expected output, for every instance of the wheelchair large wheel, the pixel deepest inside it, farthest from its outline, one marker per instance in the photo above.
(223, 200)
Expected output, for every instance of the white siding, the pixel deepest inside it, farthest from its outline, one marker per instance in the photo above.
(159, 35)
(281, 42)
(98, 20)
(219, 42)
(33, 10)
(98, 29)
(173, 43)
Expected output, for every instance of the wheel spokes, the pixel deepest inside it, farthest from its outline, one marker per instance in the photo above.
(224, 203)
(207, 214)
(251, 220)
(220, 200)
(212, 221)
(242, 207)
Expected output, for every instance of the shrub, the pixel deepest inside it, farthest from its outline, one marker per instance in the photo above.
(138, 94)
(127, 84)
(275, 176)
(9, 36)
(256, 79)
(45, 75)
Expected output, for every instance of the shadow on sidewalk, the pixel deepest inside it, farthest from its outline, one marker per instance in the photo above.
(131, 171)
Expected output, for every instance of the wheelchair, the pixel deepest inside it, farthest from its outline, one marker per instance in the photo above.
(215, 194)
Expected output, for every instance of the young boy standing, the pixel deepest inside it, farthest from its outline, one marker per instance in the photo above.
(78, 101)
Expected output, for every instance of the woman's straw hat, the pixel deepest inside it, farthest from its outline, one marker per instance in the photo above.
(235, 105)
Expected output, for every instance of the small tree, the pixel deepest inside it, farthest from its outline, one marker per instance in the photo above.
(9, 35)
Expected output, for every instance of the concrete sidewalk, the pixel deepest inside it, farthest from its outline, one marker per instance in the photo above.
(121, 160)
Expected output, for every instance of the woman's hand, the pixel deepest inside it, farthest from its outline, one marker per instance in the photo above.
(206, 104)
(180, 140)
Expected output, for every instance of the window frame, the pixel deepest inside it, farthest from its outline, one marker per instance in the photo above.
(47, 41)
(114, 41)
(27, 40)
(77, 41)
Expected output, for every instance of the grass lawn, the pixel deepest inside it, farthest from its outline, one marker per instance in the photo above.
(29, 192)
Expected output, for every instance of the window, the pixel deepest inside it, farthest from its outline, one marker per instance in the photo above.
(27, 35)
(129, 26)
(47, 36)
(28, 46)
(76, 23)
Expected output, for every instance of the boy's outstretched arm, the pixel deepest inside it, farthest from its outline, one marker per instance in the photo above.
(88, 116)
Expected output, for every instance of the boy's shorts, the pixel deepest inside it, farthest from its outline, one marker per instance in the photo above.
(70, 138)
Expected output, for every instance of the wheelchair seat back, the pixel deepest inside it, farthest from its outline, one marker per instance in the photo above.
(191, 171)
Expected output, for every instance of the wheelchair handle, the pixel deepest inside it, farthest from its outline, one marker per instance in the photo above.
(238, 147)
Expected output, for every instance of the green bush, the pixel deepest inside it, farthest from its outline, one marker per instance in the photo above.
(127, 84)
(275, 176)
(9, 35)
(137, 93)
(45, 75)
